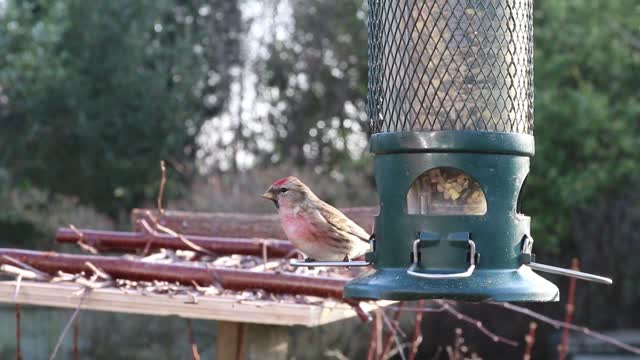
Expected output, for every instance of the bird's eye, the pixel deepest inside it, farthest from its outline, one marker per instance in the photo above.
(284, 190)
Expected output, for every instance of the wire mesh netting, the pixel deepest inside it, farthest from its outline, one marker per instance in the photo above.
(451, 65)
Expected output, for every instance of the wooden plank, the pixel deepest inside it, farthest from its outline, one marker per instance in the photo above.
(208, 307)
(237, 225)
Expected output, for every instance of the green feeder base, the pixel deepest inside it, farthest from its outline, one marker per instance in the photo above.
(484, 285)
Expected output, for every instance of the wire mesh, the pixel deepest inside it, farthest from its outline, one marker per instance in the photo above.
(462, 65)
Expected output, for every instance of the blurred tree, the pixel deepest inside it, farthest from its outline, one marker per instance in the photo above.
(315, 78)
(94, 94)
(587, 109)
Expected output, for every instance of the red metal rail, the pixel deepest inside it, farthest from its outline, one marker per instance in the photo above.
(129, 241)
(238, 280)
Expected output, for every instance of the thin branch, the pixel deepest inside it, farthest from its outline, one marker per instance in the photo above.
(563, 347)
(363, 315)
(389, 340)
(17, 291)
(335, 353)
(74, 346)
(18, 334)
(174, 234)
(40, 274)
(27, 274)
(85, 294)
(417, 309)
(371, 353)
(81, 241)
(265, 257)
(393, 334)
(417, 331)
(99, 272)
(477, 323)
(163, 181)
(561, 324)
(530, 340)
(194, 346)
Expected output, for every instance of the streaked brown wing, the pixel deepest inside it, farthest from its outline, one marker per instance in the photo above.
(334, 217)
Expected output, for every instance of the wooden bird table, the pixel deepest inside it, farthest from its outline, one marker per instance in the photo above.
(247, 329)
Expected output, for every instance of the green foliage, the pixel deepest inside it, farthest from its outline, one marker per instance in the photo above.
(94, 94)
(587, 108)
(319, 74)
(29, 216)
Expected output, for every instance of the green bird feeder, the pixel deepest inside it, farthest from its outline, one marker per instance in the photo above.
(450, 104)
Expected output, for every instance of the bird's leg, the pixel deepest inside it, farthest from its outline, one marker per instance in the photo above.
(346, 259)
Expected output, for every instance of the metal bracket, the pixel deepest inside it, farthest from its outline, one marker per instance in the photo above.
(453, 237)
(527, 258)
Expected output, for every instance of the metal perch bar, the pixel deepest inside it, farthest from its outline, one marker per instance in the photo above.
(238, 280)
(128, 241)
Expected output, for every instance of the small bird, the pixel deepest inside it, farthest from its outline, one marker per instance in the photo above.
(314, 227)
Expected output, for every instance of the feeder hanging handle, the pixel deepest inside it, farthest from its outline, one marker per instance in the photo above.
(529, 259)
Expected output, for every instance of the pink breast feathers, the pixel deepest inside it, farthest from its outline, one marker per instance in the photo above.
(296, 228)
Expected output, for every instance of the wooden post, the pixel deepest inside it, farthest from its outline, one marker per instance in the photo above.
(244, 341)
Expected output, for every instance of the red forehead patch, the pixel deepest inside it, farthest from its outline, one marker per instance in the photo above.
(281, 181)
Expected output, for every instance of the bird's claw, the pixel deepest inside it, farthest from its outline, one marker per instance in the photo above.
(346, 259)
(309, 259)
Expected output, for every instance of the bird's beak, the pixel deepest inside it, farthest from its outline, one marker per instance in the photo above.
(270, 196)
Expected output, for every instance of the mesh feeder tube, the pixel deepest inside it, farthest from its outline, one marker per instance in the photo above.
(450, 104)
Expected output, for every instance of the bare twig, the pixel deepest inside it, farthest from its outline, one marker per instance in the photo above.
(176, 235)
(83, 297)
(17, 291)
(363, 315)
(27, 274)
(264, 252)
(560, 324)
(477, 323)
(530, 340)
(148, 238)
(18, 334)
(194, 346)
(40, 274)
(81, 241)
(389, 340)
(335, 353)
(163, 181)
(74, 348)
(394, 334)
(417, 308)
(417, 332)
(373, 343)
(563, 347)
(99, 272)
